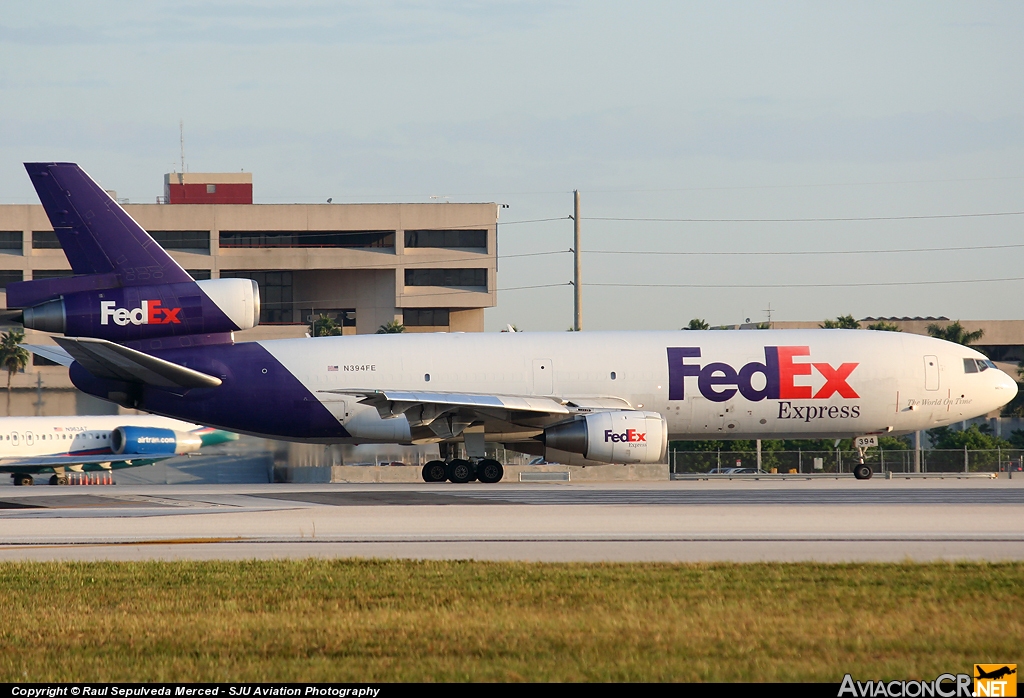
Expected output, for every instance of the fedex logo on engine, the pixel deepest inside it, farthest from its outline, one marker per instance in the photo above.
(151, 313)
(631, 436)
(719, 382)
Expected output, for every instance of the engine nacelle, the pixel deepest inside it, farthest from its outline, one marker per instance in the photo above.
(148, 312)
(613, 437)
(153, 442)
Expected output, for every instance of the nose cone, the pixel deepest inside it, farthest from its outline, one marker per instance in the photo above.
(1004, 389)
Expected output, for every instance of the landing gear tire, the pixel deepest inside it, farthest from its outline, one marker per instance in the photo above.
(22, 479)
(435, 471)
(862, 472)
(489, 471)
(59, 480)
(461, 471)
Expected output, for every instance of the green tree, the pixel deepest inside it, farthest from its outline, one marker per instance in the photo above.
(883, 326)
(324, 326)
(974, 438)
(697, 324)
(12, 356)
(843, 322)
(955, 333)
(393, 327)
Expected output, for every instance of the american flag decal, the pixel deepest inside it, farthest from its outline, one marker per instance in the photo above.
(332, 368)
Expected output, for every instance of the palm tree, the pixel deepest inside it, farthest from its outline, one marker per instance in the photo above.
(843, 322)
(883, 326)
(325, 326)
(393, 327)
(12, 357)
(697, 324)
(955, 333)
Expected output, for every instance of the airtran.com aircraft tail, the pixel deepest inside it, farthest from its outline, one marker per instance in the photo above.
(140, 333)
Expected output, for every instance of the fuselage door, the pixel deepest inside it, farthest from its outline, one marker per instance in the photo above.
(543, 377)
(931, 373)
(29, 438)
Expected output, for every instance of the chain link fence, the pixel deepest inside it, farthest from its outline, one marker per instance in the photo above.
(843, 461)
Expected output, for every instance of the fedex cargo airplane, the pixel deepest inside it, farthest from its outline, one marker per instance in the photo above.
(59, 445)
(139, 331)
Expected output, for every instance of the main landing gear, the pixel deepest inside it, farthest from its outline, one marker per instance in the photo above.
(22, 479)
(460, 471)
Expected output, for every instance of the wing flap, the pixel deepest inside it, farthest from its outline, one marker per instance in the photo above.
(105, 359)
(55, 354)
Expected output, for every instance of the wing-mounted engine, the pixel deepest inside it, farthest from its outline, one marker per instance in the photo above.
(129, 313)
(612, 437)
(153, 442)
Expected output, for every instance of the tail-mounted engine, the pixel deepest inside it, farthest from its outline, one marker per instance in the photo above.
(145, 312)
(613, 437)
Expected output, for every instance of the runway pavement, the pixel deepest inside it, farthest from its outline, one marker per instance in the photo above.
(825, 520)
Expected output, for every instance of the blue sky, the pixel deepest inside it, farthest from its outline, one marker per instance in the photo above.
(653, 110)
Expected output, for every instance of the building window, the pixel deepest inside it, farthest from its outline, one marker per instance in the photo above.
(38, 360)
(473, 239)
(275, 294)
(211, 188)
(446, 277)
(345, 317)
(367, 239)
(188, 240)
(198, 274)
(52, 274)
(425, 317)
(9, 277)
(45, 240)
(10, 241)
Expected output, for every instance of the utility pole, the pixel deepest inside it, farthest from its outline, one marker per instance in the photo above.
(577, 309)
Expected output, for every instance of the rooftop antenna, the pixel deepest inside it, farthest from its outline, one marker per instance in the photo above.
(181, 138)
(769, 311)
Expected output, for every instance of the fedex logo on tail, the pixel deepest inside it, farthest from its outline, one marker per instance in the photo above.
(719, 382)
(151, 313)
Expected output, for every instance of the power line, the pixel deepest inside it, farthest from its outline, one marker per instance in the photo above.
(965, 248)
(410, 296)
(805, 220)
(821, 285)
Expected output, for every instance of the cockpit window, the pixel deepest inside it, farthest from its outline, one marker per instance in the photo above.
(977, 365)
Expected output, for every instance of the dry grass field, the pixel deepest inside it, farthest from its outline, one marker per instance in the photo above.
(393, 620)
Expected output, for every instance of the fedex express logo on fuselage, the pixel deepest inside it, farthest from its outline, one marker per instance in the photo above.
(719, 381)
(151, 313)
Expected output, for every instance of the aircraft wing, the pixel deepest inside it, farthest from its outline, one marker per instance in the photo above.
(449, 414)
(105, 359)
(44, 464)
(390, 403)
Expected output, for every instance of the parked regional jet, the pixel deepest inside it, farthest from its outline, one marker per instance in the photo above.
(139, 331)
(33, 445)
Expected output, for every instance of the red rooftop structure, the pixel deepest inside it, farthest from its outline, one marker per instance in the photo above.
(208, 188)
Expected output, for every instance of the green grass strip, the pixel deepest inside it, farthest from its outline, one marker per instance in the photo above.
(399, 620)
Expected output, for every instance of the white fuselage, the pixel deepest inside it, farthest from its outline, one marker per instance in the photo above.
(820, 383)
(73, 435)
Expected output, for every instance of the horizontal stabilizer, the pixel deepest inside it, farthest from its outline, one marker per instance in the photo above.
(48, 351)
(105, 359)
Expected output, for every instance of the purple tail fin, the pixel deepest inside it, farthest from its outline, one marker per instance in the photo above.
(97, 235)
